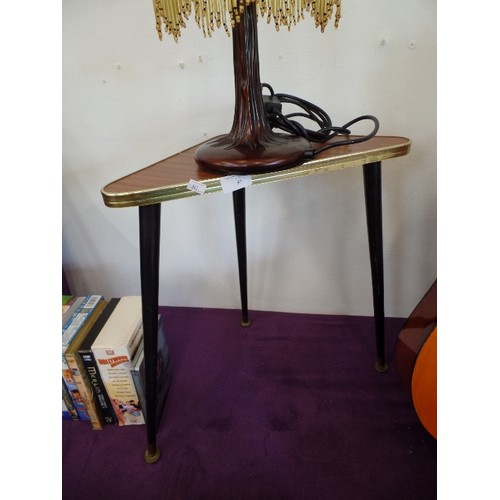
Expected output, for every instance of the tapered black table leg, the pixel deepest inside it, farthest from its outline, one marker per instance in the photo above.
(241, 246)
(373, 200)
(149, 234)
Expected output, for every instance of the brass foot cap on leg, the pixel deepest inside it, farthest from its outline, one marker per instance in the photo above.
(381, 366)
(246, 323)
(152, 458)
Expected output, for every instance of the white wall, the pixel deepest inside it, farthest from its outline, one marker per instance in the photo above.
(130, 100)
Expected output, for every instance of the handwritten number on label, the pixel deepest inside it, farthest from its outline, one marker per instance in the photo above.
(234, 182)
(197, 187)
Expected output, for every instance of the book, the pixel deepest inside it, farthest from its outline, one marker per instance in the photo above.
(164, 373)
(77, 315)
(65, 412)
(68, 311)
(100, 396)
(71, 326)
(78, 372)
(68, 408)
(67, 300)
(114, 348)
(139, 386)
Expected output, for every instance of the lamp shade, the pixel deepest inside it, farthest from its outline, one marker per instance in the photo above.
(211, 14)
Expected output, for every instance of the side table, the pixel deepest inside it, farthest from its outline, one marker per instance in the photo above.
(172, 178)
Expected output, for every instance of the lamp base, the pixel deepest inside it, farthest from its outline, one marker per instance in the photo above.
(275, 152)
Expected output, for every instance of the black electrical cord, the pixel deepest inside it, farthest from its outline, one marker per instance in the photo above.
(326, 131)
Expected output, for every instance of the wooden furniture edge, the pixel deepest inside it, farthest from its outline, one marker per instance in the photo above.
(318, 165)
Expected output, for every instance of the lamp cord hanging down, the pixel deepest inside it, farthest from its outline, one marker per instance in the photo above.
(273, 105)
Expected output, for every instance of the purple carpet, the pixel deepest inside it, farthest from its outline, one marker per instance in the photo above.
(290, 408)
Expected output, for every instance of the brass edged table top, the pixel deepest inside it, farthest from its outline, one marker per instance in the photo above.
(168, 179)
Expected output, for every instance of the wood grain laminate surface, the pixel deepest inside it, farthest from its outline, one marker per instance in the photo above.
(168, 179)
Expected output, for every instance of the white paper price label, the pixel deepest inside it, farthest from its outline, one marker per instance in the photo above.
(197, 187)
(234, 182)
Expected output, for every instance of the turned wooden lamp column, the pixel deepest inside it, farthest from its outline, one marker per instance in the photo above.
(250, 146)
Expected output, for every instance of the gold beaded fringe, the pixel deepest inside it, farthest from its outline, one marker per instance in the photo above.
(211, 14)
